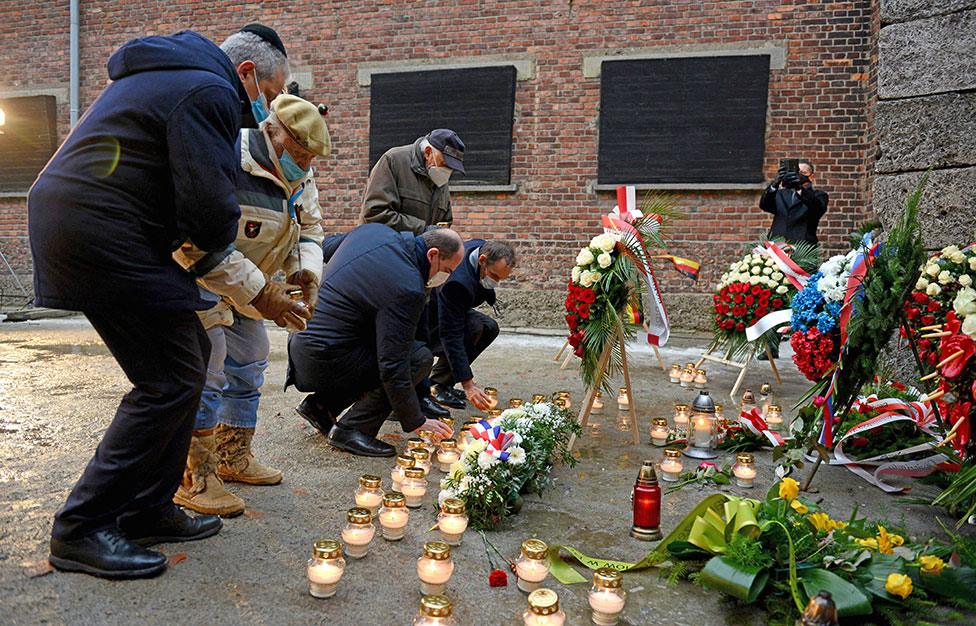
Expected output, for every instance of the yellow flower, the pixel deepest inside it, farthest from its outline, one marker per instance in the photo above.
(840, 525)
(888, 541)
(931, 564)
(870, 543)
(789, 489)
(899, 585)
(822, 522)
(799, 507)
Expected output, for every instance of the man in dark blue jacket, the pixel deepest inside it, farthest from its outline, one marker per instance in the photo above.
(359, 346)
(149, 168)
(459, 333)
(796, 207)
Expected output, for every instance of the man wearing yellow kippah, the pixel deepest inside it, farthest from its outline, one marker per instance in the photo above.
(278, 231)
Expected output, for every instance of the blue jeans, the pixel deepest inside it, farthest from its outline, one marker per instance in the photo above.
(235, 374)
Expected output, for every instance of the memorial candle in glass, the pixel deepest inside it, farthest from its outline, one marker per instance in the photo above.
(544, 609)
(414, 486)
(492, 394)
(447, 454)
(701, 379)
(607, 598)
(435, 567)
(403, 461)
(675, 374)
(682, 415)
(435, 610)
(623, 399)
(659, 431)
(774, 418)
(369, 495)
(597, 403)
(538, 397)
(671, 465)
(452, 521)
(744, 469)
(394, 515)
(325, 568)
(358, 532)
(532, 565)
(515, 403)
(421, 459)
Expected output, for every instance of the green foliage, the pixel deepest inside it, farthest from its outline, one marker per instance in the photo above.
(959, 498)
(875, 316)
(749, 552)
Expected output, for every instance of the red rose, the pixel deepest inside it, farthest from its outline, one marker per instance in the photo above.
(756, 290)
(737, 299)
(777, 303)
(928, 320)
(740, 326)
(728, 324)
(750, 300)
(761, 312)
(584, 311)
(716, 298)
(934, 306)
(920, 297)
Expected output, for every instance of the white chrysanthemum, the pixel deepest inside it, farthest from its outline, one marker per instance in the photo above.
(782, 289)
(933, 290)
(577, 270)
(604, 260)
(486, 460)
(585, 257)
(965, 280)
(605, 243)
(945, 277)
(516, 455)
(923, 283)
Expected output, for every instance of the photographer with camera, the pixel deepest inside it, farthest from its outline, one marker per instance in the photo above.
(794, 203)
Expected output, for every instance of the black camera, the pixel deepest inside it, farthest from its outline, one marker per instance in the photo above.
(789, 173)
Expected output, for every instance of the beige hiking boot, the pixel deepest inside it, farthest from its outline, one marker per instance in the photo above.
(237, 462)
(202, 490)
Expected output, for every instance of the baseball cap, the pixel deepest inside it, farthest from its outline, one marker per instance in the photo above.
(450, 145)
(304, 123)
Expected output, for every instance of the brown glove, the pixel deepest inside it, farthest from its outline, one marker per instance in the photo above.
(274, 303)
(310, 287)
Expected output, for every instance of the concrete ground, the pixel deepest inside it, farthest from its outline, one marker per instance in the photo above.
(58, 391)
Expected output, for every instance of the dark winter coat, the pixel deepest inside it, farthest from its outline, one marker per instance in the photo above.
(400, 194)
(796, 214)
(373, 293)
(151, 164)
(448, 308)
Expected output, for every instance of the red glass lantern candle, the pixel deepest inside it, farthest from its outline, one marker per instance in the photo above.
(647, 505)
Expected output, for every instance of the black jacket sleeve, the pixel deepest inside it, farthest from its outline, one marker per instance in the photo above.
(767, 201)
(453, 303)
(396, 326)
(815, 200)
(200, 136)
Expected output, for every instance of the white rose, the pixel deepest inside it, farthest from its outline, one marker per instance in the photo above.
(777, 276)
(767, 271)
(577, 270)
(782, 289)
(923, 283)
(932, 270)
(754, 280)
(945, 277)
(972, 263)
(756, 270)
(604, 260)
(586, 278)
(965, 302)
(950, 250)
(933, 290)
(486, 460)
(965, 280)
(958, 258)
(969, 326)
(769, 262)
(585, 257)
(603, 242)
(596, 276)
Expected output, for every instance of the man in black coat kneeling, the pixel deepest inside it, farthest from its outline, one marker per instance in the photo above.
(359, 347)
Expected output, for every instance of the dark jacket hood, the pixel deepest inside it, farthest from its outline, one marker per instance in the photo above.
(184, 50)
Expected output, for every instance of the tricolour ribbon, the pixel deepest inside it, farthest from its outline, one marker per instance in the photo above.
(496, 438)
(753, 421)
(797, 276)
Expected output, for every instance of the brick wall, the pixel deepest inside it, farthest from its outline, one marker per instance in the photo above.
(818, 106)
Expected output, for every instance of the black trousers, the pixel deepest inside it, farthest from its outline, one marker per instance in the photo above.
(479, 333)
(139, 463)
(342, 377)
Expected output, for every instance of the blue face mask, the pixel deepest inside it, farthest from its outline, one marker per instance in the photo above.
(291, 170)
(259, 107)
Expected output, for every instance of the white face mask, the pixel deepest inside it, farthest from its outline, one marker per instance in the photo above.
(440, 175)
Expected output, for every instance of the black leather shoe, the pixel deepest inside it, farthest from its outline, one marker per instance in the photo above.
(433, 410)
(448, 398)
(351, 440)
(458, 393)
(316, 415)
(106, 553)
(172, 525)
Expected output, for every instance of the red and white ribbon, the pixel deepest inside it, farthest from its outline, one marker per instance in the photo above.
(758, 426)
(797, 276)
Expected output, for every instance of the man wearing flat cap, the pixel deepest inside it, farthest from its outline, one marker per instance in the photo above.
(278, 231)
(407, 188)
